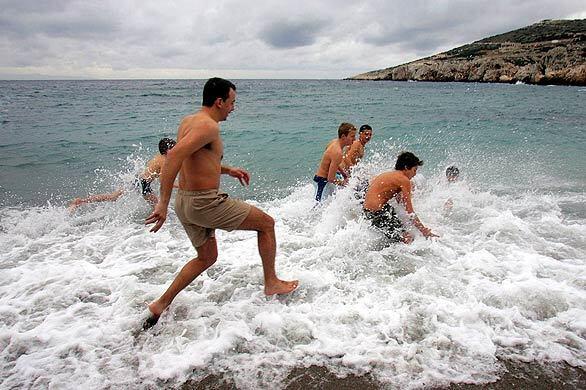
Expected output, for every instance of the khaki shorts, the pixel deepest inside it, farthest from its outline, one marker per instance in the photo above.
(200, 212)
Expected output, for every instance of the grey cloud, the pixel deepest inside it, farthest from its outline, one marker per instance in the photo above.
(422, 28)
(59, 22)
(417, 37)
(329, 36)
(28, 6)
(85, 27)
(171, 52)
(290, 34)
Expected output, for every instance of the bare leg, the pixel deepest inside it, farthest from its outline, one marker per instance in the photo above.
(206, 256)
(267, 248)
(111, 197)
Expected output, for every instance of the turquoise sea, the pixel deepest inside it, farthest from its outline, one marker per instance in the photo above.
(62, 138)
(505, 281)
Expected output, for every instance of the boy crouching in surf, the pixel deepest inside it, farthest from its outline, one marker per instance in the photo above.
(394, 183)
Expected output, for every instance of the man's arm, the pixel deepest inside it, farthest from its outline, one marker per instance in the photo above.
(406, 197)
(186, 146)
(334, 167)
(239, 173)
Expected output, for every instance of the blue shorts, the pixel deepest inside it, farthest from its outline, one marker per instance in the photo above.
(321, 182)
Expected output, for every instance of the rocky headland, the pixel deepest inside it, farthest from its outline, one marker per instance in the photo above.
(548, 52)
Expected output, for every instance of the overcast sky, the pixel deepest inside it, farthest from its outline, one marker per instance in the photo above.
(247, 39)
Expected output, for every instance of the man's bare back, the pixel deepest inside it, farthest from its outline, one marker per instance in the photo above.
(330, 161)
(384, 186)
(153, 168)
(397, 184)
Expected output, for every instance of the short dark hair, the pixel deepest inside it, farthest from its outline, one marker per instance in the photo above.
(345, 129)
(216, 88)
(407, 160)
(363, 128)
(452, 171)
(166, 144)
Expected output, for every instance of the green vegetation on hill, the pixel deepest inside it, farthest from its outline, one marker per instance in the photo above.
(548, 52)
(547, 30)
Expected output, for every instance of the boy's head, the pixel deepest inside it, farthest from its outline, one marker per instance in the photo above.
(452, 173)
(165, 145)
(408, 162)
(365, 134)
(347, 132)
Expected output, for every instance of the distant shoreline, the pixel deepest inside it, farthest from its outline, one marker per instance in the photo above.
(546, 53)
(308, 80)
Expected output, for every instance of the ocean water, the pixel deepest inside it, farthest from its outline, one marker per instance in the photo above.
(506, 279)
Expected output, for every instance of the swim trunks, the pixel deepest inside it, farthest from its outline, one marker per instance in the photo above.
(387, 221)
(360, 190)
(143, 185)
(200, 212)
(322, 184)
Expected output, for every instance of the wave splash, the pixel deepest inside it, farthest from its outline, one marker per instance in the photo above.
(504, 280)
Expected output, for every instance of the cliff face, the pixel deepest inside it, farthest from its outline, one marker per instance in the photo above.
(549, 52)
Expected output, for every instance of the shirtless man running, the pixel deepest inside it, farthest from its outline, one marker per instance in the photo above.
(199, 204)
(395, 183)
(331, 160)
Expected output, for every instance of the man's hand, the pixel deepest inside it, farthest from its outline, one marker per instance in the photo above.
(428, 233)
(158, 216)
(240, 174)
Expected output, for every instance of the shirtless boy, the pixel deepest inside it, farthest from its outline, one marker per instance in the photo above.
(331, 160)
(394, 183)
(200, 206)
(141, 182)
(356, 150)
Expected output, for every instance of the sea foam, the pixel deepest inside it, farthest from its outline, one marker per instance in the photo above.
(506, 279)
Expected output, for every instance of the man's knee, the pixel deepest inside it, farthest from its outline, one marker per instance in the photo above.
(267, 222)
(258, 220)
(208, 253)
(208, 259)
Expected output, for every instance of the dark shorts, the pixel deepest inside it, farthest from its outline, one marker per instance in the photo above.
(322, 182)
(386, 220)
(144, 186)
(360, 190)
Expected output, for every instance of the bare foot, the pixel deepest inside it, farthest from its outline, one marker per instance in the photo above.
(150, 321)
(281, 287)
(155, 309)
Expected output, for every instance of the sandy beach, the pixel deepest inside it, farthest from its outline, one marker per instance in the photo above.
(515, 375)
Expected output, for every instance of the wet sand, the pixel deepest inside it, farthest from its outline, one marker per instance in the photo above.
(515, 376)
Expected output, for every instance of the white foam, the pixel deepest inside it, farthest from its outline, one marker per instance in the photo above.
(506, 279)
